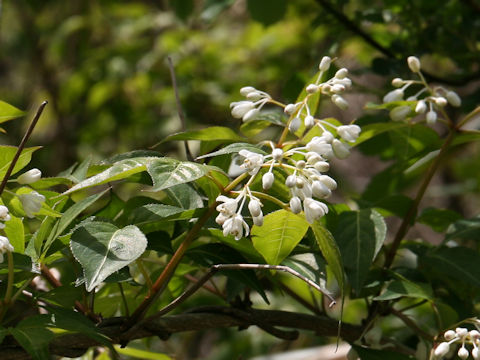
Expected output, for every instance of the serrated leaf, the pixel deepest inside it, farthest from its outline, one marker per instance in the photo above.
(234, 148)
(213, 133)
(166, 173)
(102, 248)
(458, 263)
(7, 154)
(330, 251)
(9, 112)
(360, 236)
(277, 237)
(117, 171)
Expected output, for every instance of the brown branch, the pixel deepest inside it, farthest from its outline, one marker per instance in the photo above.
(202, 319)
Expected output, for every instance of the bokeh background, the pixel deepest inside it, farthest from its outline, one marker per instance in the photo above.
(102, 65)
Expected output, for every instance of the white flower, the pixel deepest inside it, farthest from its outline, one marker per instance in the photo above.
(250, 114)
(30, 176)
(397, 82)
(453, 98)
(255, 208)
(4, 215)
(252, 162)
(328, 181)
(441, 101)
(325, 63)
(244, 91)
(341, 73)
(296, 205)
(322, 166)
(294, 124)
(312, 88)
(4, 247)
(241, 108)
(349, 132)
(442, 349)
(309, 121)
(320, 190)
(290, 109)
(319, 146)
(421, 107)
(340, 149)
(258, 220)
(314, 209)
(235, 226)
(255, 96)
(431, 117)
(449, 335)
(413, 64)
(277, 154)
(340, 102)
(291, 181)
(476, 353)
(31, 202)
(394, 95)
(228, 208)
(267, 180)
(463, 353)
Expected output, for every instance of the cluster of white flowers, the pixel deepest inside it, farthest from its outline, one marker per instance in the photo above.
(304, 164)
(4, 247)
(4, 216)
(461, 336)
(427, 100)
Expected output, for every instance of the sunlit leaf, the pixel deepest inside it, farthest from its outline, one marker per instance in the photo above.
(9, 112)
(7, 154)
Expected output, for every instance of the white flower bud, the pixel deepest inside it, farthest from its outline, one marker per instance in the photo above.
(267, 180)
(431, 117)
(31, 203)
(325, 63)
(463, 353)
(291, 181)
(312, 88)
(290, 109)
(313, 157)
(449, 335)
(338, 88)
(327, 136)
(228, 207)
(255, 96)
(277, 154)
(250, 114)
(349, 132)
(299, 183)
(30, 176)
(301, 164)
(441, 101)
(461, 331)
(474, 334)
(322, 166)
(255, 207)
(413, 64)
(340, 102)
(400, 113)
(397, 82)
(394, 95)
(241, 108)
(314, 209)
(220, 219)
(345, 82)
(328, 181)
(476, 353)
(258, 220)
(341, 73)
(442, 349)
(244, 91)
(294, 124)
(296, 205)
(4, 215)
(320, 190)
(309, 121)
(421, 107)
(453, 98)
(340, 149)
(4, 247)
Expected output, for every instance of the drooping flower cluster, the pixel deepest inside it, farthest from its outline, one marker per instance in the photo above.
(459, 336)
(428, 100)
(304, 164)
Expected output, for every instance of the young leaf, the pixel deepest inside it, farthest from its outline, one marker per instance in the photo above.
(6, 156)
(281, 232)
(15, 233)
(102, 248)
(360, 235)
(9, 112)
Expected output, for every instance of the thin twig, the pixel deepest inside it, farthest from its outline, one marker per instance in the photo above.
(22, 145)
(124, 299)
(181, 114)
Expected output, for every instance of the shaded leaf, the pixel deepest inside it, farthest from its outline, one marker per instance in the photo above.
(32, 334)
(405, 288)
(440, 219)
(234, 148)
(277, 237)
(102, 248)
(465, 229)
(372, 354)
(267, 11)
(213, 133)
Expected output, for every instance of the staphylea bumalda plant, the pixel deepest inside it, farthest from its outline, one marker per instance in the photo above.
(86, 263)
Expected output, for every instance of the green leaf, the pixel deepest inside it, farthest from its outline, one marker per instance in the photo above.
(15, 233)
(184, 196)
(309, 265)
(267, 11)
(183, 8)
(213, 133)
(440, 219)
(141, 354)
(152, 213)
(458, 263)
(117, 171)
(166, 173)
(360, 235)
(330, 251)
(234, 148)
(405, 288)
(371, 130)
(465, 229)
(32, 334)
(9, 112)
(102, 248)
(277, 237)
(7, 154)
